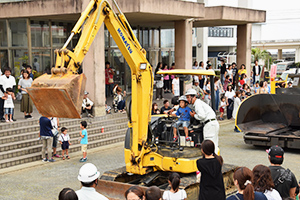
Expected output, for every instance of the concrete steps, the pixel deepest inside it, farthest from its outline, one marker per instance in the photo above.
(19, 140)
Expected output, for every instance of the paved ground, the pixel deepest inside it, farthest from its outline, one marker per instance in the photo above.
(45, 180)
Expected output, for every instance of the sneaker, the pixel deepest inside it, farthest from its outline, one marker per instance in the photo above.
(64, 158)
(51, 160)
(7, 120)
(14, 120)
(83, 160)
(26, 117)
(175, 138)
(187, 139)
(57, 156)
(29, 117)
(162, 98)
(157, 99)
(45, 160)
(11, 120)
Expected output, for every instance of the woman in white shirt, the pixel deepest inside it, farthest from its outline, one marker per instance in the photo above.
(262, 182)
(236, 104)
(229, 94)
(175, 193)
(230, 73)
(26, 103)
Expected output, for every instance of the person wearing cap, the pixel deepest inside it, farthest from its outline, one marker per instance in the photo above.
(87, 105)
(206, 115)
(88, 176)
(200, 93)
(184, 113)
(284, 180)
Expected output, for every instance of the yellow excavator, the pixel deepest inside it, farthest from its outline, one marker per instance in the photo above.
(60, 95)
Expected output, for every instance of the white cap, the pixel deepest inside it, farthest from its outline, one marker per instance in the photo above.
(183, 98)
(190, 91)
(85, 92)
(88, 173)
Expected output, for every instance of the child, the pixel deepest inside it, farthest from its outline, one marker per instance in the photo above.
(184, 120)
(175, 192)
(222, 107)
(248, 92)
(84, 140)
(243, 96)
(226, 82)
(153, 193)
(9, 104)
(155, 110)
(64, 140)
(256, 87)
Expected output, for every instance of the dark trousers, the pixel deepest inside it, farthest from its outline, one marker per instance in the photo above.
(159, 93)
(87, 111)
(108, 90)
(1, 108)
(229, 109)
(121, 105)
(201, 83)
(166, 85)
(217, 99)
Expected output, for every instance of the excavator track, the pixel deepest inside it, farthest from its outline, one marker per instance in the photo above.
(114, 183)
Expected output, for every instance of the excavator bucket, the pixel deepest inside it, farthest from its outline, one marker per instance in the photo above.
(58, 95)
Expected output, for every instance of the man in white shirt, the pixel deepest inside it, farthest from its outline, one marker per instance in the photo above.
(205, 114)
(88, 176)
(87, 105)
(6, 81)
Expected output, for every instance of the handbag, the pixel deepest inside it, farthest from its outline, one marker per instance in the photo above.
(110, 80)
(54, 132)
(19, 96)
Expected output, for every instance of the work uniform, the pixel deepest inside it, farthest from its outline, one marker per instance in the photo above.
(206, 115)
(89, 193)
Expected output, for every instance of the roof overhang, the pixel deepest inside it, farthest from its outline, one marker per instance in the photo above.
(226, 16)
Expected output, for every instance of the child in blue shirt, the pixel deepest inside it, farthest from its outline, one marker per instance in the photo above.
(84, 140)
(184, 120)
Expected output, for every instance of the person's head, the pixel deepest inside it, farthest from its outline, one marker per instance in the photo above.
(207, 81)
(174, 181)
(107, 64)
(265, 83)
(207, 62)
(67, 194)
(209, 66)
(208, 149)
(28, 68)
(201, 64)
(290, 84)
(257, 83)
(227, 77)
(7, 71)
(233, 65)
(248, 90)
(222, 62)
(196, 83)
(166, 103)
(261, 84)
(256, 62)
(280, 79)
(34, 60)
(9, 91)
(64, 130)
(283, 85)
(230, 67)
(243, 66)
(276, 155)
(25, 74)
(262, 179)
(223, 99)
(119, 90)
(243, 181)
(175, 101)
(83, 124)
(183, 102)
(237, 93)
(134, 193)
(88, 175)
(191, 95)
(85, 94)
(154, 106)
(243, 76)
(216, 79)
(243, 93)
(195, 63)
(245, 86)
(153, 193)
(165, 66)
(173, 66)
(229, 87)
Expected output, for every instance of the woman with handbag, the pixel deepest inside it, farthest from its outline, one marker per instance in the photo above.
(26, 103)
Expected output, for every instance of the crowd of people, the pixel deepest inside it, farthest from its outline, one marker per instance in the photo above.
(261, 183)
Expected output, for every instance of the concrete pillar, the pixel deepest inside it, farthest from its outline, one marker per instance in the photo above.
(244, 46)
(94, 69)
(297, 55)
(279, 54)
(183, 44)
(201, 46)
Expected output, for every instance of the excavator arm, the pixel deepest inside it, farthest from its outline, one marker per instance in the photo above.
(60, 94)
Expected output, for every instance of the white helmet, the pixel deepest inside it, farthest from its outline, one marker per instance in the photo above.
(191, 91)
(88, 173)
(183, 98)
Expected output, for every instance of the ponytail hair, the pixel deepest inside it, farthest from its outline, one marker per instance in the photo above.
(208, 147)
(174, 178)
(244, 177)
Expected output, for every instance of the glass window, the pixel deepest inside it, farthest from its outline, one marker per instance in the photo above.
(154, 38)
(18, 33)
(59, 34)
(3, 59)
(3, 34)
(167, 38)
(41, 61)
(145, 39)
(165, 57)
(118, 64)
(40, 35)
(19, 58)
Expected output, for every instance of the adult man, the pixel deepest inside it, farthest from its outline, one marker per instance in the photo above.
(234, 74)
(284, 180)
(109, 79)
(256, 72)
(223, 71)
(205, 114)
(6, 81)
(166, 108)
(88, 176)
(46, 136)
(87, 105)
